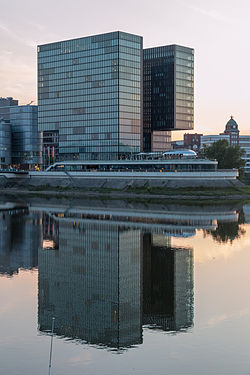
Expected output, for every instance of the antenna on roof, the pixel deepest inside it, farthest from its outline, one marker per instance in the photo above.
(32, 101)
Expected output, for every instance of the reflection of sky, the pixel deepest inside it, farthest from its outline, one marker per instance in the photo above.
(206, 249)
(48, 244)
(217, 344)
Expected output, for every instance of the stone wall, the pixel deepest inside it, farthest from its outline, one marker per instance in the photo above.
(117, 183)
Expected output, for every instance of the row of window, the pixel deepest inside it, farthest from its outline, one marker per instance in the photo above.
(69, 96)
(72, 130)
(156, 52)
(67, 127)
(102, 98)
(184, 90)
(184, 69)
(184, 76)
(184, 103)
(90, 113)
(89, 104)
(59, 97)
(182, 96)
(92, 85)
(52, 125)
(66, 54)
(184, 110)
(49, 63)
(111, 123)
(98, 150)
(42, 70)
(185, 63)
(97, 140)
(184, 117)
(184, 124)
(184, 83)
(87, 117)
(184, 56)
(102, 133)
(89, 74)
(77, 48)
(91, 40)
(93, 82)
(24, 111)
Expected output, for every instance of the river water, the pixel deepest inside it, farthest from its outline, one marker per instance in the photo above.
(135, 288)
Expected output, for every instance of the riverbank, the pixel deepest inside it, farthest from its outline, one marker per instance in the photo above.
(147, 193)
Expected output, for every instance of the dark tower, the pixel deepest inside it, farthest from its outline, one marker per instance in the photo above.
(168, 91)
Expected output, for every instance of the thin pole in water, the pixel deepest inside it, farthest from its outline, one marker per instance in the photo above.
(51, 343)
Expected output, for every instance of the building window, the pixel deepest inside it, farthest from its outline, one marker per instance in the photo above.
(78, 111)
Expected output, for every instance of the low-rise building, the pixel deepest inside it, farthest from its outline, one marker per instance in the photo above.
(5, 104)
(177, 145)
(244, 143)
(26, 140)
(5, 143)
(208, 140)
(192, 141)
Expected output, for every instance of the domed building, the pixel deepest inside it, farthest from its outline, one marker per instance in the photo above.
(233, 131)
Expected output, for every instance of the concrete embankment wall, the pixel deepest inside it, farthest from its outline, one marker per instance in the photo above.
(112, 183)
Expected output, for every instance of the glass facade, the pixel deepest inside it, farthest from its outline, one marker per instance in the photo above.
(5, 143)
(168, 287)
(26, 140)
(91, 282)
(244, 143)
(160, 141)
(104, 279)
(168, 90)
(19, 251)
(89, 97)
(184, 88)
(5, 104)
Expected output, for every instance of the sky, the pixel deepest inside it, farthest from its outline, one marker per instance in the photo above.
(218, 30)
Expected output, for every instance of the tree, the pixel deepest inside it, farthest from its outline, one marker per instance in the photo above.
(228, 157)
(228, 232)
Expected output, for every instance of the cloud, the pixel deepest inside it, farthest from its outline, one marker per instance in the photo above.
(38, 26)
(83, 359)
(215, 320)
(15, 36)
(4, 28)
(5, 52)
(212, 14)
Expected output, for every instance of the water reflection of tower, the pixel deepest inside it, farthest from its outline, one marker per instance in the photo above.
(5, 244)
(167, 284)
(92, 283)
(50, 232)
(20, 236)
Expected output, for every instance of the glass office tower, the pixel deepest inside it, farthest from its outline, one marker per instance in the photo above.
(89, 97)
(168, 91)
(26, 140)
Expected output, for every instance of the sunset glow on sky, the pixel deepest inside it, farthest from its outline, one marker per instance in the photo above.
(217, 30)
